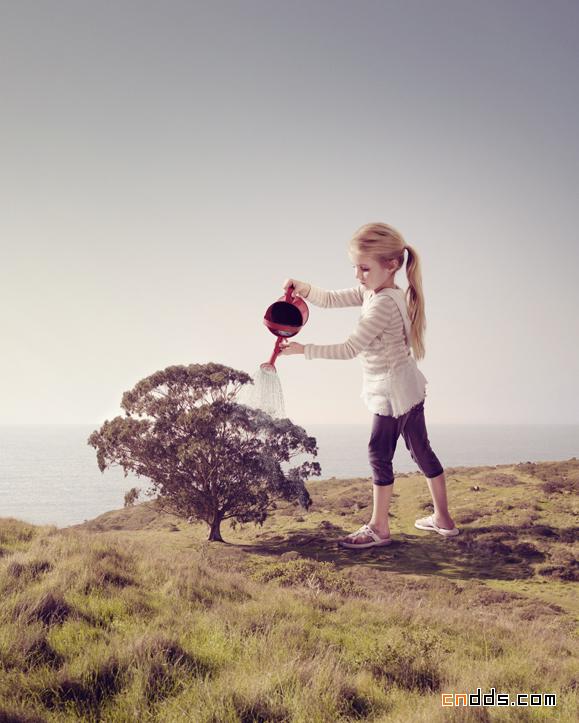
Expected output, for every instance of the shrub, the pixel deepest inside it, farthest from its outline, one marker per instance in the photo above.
(49, 607)
(88, 689)
(164, 663)
(15, 531)
(321, 576)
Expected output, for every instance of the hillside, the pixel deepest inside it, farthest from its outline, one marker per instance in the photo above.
(136, 616)
(518, 527)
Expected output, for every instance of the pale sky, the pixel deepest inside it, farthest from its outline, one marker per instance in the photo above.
(166, 165)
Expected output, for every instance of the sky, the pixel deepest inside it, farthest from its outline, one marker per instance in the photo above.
(167, 165)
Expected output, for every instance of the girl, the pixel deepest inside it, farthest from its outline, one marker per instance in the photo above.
(391, 325)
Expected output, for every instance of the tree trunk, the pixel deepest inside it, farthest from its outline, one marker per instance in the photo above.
(215, 533)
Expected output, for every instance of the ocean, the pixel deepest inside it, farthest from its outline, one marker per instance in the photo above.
(49, 474)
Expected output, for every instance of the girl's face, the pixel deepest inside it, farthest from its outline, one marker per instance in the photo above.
(371, 273)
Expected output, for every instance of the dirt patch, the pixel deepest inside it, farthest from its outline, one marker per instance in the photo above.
(562, 565)
(498, 479)
(487, 596)
(560, 485)
(465, 517)
(536, 609)
(528, 550)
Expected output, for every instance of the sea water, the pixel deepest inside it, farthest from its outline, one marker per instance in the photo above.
(49, 474)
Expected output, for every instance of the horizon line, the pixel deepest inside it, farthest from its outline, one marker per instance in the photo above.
(320, 424)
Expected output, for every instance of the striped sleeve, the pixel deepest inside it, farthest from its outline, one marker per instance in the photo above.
(335, 299)
(377, 318)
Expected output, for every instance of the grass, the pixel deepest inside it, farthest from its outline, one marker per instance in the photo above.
(136, 616)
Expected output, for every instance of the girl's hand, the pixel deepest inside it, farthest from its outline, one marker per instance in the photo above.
(301, 288)
(290, 347)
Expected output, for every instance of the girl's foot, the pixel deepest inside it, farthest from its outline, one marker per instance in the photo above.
(446, 522)
(429, 523)
(363, 535)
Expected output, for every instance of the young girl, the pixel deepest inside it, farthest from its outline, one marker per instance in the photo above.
(391, 324)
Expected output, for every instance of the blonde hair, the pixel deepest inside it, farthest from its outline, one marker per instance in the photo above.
(383, 242)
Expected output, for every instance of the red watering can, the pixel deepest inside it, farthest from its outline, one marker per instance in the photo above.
(284, 318)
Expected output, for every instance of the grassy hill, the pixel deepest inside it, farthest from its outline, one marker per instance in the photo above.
(135, 616)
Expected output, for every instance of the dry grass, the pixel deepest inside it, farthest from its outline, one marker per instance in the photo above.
(156, 624)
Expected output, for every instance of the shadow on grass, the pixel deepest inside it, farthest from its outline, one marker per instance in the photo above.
(498, 552)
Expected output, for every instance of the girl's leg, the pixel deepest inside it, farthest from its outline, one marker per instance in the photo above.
(418, 444)
(437, 487)
(379, 522)
(381, 448)
(382, 496)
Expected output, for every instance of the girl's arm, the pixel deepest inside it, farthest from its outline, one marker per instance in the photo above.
(335, 299)
(326, 299)
(377, 318)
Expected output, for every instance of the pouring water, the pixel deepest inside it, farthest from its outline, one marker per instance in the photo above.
(284, 318)
(266, 392)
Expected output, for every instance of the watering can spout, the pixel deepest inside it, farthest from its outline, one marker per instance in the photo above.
(269, 366)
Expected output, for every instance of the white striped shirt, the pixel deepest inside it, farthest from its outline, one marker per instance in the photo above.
(392, 381)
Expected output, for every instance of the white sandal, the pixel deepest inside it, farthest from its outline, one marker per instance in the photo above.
(428, 523)
(377, 541)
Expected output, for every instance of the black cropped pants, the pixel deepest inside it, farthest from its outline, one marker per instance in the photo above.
(382, 445)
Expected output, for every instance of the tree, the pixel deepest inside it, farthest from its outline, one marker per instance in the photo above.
(206, 456)
(132, 496)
